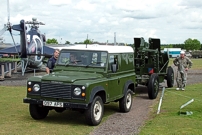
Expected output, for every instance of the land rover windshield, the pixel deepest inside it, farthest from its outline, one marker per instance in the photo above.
(83, 58)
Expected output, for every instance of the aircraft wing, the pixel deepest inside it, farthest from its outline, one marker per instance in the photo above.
(11, 50)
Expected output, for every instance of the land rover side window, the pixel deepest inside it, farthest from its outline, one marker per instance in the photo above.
(103, 59)
(113, 59)
(99, 59)
(94, 57)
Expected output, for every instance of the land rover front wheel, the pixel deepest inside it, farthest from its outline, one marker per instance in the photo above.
(95, 111)
(153, 86)
(38, 112)
(125, 103)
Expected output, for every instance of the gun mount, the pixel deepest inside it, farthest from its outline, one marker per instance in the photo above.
(151, 64)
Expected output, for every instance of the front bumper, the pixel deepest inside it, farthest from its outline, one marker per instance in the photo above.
(66, 104)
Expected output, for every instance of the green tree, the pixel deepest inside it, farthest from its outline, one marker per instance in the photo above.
(192, 44)
(87, 41)
(52, 41)
(67, 42)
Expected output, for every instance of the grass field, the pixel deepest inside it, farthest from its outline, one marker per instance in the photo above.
(169, 121)
(15, 118)
(197, 63)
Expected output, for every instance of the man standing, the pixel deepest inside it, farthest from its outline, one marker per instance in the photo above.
(52, 61)
(183, 63)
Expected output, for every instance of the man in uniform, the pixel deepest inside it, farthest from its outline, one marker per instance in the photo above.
(183, 63)
(52, 61)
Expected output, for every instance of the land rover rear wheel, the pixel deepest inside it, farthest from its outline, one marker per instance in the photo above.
(170, 77)
(38, 112)
(153, 86)
(95, 111)
(125, 103)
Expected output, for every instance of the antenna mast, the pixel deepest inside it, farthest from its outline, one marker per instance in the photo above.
(8, 10)
(114, 38)
(87, 41)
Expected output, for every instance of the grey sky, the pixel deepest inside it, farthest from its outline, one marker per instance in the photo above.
(172, 21)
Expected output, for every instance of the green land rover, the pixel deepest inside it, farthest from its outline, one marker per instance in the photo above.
(84, 78)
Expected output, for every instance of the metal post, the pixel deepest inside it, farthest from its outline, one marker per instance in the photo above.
(8, 74)
(189, 102)
(2, 72)
(186, 112)
(160, 102)
(24, 66)
(114, 38)
(15, 67)
(87, 41)
(34, 72)
(8, 10)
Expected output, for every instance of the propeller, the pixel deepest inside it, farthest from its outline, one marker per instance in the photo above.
(8, 25)
(3, 30)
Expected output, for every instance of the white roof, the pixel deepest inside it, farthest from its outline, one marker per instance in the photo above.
(172, 49)
(109, 49)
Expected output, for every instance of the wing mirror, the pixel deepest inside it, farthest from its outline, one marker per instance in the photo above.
(114, 68)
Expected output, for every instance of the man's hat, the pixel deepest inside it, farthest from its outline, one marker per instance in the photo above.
(182, 52)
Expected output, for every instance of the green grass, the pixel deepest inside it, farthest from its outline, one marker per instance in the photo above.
(197, 64)
(9, 59)
(169, 122)
(15, 118)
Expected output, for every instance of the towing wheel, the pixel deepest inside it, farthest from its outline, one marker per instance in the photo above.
(153, 86)
(95, 111)
(37, 112)
(125, 103)
(170, 77)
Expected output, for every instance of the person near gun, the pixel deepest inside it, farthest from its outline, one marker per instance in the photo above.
(183, 64)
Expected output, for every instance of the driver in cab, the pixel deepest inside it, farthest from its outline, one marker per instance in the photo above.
(73, 59)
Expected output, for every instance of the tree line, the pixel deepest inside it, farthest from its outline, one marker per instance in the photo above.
(54, 41)
(189, 44)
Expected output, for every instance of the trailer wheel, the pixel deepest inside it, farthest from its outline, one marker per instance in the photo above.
(153, 86)
(170, 77)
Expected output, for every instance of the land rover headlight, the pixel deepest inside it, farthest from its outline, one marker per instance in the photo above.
(77, 91)
(36, 87)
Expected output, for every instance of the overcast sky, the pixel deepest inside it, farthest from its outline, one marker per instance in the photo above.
(173, 21)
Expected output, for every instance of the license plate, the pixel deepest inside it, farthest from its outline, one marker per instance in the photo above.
(53, 104)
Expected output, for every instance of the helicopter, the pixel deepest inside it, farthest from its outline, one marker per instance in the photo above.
(32, 49)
